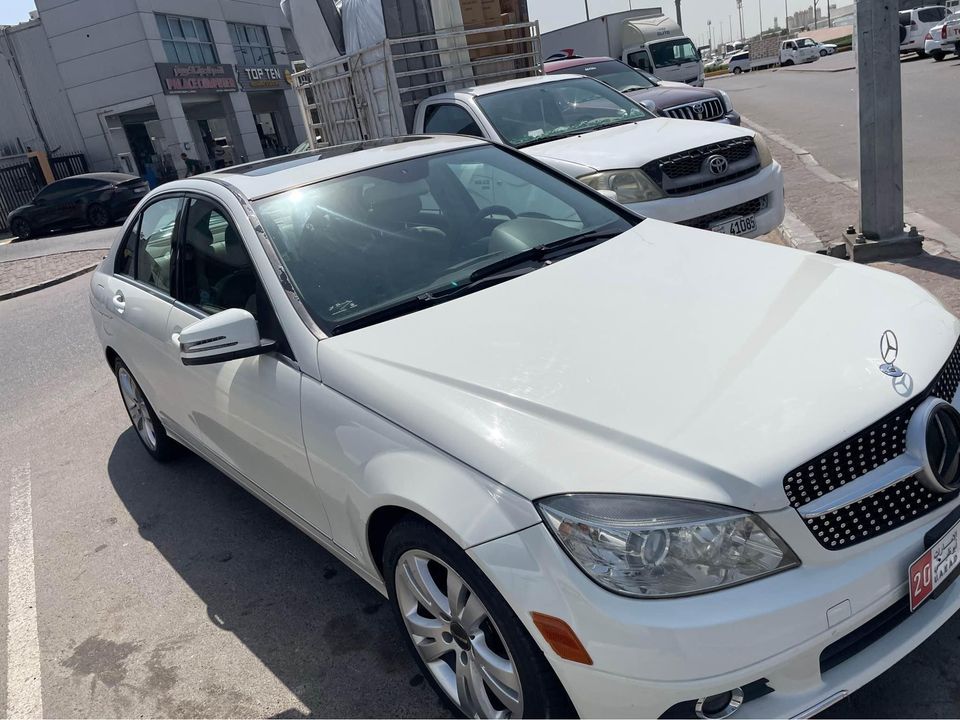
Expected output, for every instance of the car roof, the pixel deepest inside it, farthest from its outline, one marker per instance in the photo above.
(268, 177)
(110, 177)
(481, 90)
(555, 65)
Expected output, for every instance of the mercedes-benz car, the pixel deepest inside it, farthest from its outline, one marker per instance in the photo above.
(600, 465)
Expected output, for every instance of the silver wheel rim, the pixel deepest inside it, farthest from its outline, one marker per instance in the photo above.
(137, 408)
(457, 638)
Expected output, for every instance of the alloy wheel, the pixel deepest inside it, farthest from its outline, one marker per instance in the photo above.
(98, 216)
(457, 638)
(137, 408)
(20, 228)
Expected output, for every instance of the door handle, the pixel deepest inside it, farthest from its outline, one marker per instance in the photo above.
(118, 301)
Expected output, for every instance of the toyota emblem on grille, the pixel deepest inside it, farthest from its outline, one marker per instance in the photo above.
(889, 349)
(717, 164)
(933, 436)
(698, 110)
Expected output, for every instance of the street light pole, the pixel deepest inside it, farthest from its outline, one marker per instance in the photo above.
(740, 12)
(786, 18)
(882, 233)
(586, 7)
(679, 17)
(710, 29)
(760, 8)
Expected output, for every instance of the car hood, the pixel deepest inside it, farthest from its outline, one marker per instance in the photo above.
(666, 361)
(635, 144)
(665, 96)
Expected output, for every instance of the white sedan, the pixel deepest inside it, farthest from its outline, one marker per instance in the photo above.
(943, 38)
(599, 465)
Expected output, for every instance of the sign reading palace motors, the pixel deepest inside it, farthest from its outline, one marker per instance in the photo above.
(179, 79)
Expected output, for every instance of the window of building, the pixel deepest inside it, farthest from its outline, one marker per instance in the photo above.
(251, 44)
(186, 40)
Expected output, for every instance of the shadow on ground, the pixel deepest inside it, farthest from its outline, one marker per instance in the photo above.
(326, 634)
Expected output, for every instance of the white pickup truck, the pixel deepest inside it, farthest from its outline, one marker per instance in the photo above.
(704, 175)
(798, 51)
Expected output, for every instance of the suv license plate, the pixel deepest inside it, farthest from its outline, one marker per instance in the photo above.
(737, 226)
(932, 572)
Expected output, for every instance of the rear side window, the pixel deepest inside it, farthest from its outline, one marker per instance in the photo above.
(905, 17)
(933, 14)
(450, 119)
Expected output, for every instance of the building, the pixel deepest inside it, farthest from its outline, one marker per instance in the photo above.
(143, 81)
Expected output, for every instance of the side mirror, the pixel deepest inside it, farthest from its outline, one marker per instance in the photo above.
(651, 106)
(228, 335)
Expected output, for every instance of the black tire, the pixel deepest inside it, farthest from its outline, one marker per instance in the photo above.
(788, 63)
(166, 449)
(921, 54)
(543, 695)
(21, 228)
(938, 55)
(98, 216)
(823, 53)
(737, 71)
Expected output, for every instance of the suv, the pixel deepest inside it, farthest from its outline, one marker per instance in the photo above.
(915, 24)
(670, 99)
(943, 38)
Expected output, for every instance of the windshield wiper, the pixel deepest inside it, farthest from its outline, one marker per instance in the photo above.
(492, 274)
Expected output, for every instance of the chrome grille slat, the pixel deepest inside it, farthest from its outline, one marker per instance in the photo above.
(867, 450)
(712, 110)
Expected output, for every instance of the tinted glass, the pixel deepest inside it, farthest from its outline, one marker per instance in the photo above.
(934, 14)
(375, 239)
(450, 119)
(613, 73)
(639, 59)
(126, 257)
(216, 272)
(905, 17)
(154, 243)
(673, 52)
(546, 111)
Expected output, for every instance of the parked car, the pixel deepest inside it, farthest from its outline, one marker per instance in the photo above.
(798, 51)
(670, 99)
(739, 63)
(943, 38)
(703, 174)
(597, 464)
(826, 49)
(915, 24)
(91, 199)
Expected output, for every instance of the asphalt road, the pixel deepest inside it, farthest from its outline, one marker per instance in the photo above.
(818, 111)
(51, 244)
(166, 590)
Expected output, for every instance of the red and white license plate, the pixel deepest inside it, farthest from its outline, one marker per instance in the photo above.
(936, 568)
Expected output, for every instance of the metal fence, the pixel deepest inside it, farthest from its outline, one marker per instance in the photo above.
(64, 166)
(21, 178)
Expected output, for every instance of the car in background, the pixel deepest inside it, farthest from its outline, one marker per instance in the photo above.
(943, 38)
(915, 24)
(91, 199)
(798, 51)
(826, 49)
(599, 466)
(670, 99)
(707, 175)
(739, 63)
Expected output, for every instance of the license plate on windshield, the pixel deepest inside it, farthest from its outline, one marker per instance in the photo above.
(737, 226)
(932, 572)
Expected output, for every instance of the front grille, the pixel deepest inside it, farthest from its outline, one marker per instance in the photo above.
(686, 172)
(751, 207)
(705, 110)
(867, 450)
(864, 636)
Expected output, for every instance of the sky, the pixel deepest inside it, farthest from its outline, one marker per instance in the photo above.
(559, 13)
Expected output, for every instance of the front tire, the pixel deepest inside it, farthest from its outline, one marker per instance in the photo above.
(464, 637)
(21, 228)
(145, 421)
(823, 53)
(98, 216)
(737, 71)
(788, 63)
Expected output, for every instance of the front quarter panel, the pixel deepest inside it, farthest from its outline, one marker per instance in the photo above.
(362, 462)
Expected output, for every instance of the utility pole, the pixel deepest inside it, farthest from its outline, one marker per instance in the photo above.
(586, 7)
(882, 233)
(829, 21)
(740, 12)
(786, 18)
(760, 8)
(710, 29)
(679, 16)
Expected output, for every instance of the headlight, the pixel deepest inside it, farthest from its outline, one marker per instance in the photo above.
(631, 186)
(727, 103)
(763, 150)
(654, 547)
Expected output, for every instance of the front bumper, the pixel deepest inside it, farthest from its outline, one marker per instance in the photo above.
(767, 182)
(649, 655)
(731, 118)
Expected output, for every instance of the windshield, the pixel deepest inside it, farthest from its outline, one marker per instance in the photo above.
(614, 73)
(806, 42)
(673, 52)
(548, 111)
(415, 232)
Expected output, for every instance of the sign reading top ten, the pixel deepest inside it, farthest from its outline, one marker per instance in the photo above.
(179, 79)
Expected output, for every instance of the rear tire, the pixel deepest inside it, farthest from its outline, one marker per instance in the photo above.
(921, 54)
(21, 228)
(938, 55)
(145, 421)
(420, 561)
(98, 216)
(737, 71)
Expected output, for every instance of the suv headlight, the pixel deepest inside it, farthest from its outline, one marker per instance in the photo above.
(763, 150)
(654, 547)
(727, 103)
(631, 186)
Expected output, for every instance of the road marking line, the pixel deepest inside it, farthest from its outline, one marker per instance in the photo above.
(23, 641)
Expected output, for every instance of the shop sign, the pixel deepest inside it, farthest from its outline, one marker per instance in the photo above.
(269, 77)
(180, 79)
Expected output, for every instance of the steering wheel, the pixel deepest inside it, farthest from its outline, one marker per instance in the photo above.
(491, 209)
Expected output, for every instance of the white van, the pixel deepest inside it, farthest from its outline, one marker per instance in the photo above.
(916, 23)
(739, 63)
(798, 51)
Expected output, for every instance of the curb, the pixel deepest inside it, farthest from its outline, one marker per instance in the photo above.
(801, 236)
(47, 283)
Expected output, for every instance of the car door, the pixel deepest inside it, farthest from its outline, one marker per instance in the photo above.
(46, 211)
(246, 412)
(140, 298)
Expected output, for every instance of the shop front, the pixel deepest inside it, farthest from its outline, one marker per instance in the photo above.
(265, 86)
